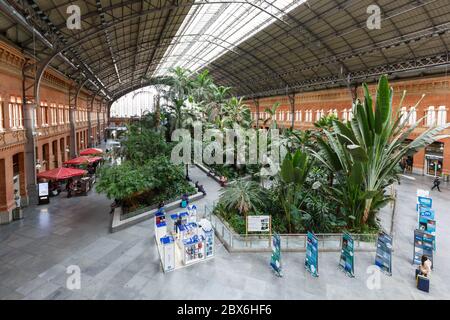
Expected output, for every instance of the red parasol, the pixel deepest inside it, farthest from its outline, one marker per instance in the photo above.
(91, 151)
(61, 173)
(79, 160)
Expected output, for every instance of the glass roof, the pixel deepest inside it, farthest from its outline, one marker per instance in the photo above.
(212, 29)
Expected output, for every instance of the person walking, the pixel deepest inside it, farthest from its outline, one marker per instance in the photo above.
(436, 184)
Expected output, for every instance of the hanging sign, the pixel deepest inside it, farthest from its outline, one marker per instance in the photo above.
(383, 257)
(275, 259)
(346, 262)
(423, 245)
(258, 223)
(312, 254)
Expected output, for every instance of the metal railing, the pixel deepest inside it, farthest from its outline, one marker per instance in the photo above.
(331, 242)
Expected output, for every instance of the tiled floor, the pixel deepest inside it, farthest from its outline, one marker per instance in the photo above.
(35, 254)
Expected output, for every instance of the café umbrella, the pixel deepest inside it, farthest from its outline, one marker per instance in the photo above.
(82, 160)
(61, 173)
(91, 151)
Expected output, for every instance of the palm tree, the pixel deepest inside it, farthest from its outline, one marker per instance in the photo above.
(237, 112)
(272, 115)
(216, 106)
(293, 174)
(243, 196)
(374, 141)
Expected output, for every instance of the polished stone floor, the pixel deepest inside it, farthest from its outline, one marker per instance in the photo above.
(36, 251)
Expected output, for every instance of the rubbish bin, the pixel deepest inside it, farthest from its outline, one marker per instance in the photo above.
(17, 214)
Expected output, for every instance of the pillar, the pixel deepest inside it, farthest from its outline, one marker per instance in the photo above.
(89, 139)
(30, 153)
(23, 180)
(419, 162)
(7, 203)
(73, 147)
(446, 162)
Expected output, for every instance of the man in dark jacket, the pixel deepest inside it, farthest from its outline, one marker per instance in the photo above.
(436, 184)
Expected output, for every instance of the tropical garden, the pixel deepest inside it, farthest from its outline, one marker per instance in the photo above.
(332, 178)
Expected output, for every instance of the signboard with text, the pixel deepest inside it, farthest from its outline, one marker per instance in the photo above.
(425, 202)
(423, 245)
(258, 223)
(43, 193)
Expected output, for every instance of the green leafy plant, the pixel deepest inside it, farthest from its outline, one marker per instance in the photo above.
(368, 148)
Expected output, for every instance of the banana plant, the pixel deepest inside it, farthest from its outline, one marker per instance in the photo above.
(293, 174)
(374, 139)
(272, 115)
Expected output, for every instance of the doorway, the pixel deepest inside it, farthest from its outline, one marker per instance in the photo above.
(434, 159)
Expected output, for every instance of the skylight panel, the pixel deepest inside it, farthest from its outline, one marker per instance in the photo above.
(215, 28)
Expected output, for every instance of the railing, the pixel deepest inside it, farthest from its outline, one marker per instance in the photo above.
(234, 242)
(289, 242)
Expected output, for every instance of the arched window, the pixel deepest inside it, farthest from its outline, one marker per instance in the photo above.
(413, 116)
(442, 116)
(350, 114)
(318, 115)
(335, 113)
(299, 116)
(344, 115)
(403, 114)
(431, 116)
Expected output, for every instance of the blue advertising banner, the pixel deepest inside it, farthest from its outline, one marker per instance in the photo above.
(427, 213)
(346, 262)
(275, 259)
(383, 257)
(423, 245)
(425, 202)
(312, 255)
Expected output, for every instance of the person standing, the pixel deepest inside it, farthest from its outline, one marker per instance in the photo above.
(425, 266)
(436, 184)
(17, 198)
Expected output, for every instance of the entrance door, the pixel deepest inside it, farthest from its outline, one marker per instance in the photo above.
(434, 166)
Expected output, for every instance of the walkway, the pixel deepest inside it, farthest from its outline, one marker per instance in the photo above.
(35, 252)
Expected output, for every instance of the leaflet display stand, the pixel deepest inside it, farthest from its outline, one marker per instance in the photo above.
(167, 253)
(383, 257)
(208, 233)
(181, 240)
(423, 245)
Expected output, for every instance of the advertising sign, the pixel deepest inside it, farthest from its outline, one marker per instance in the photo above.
(383, 257)
(275, 259)
(43, 193)
(43, 189)
(429, 226)
(425, 202)
(346, 262)
(258, 223)
(423, 193)
(312, 254)
(423, 245)
(426, 213)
